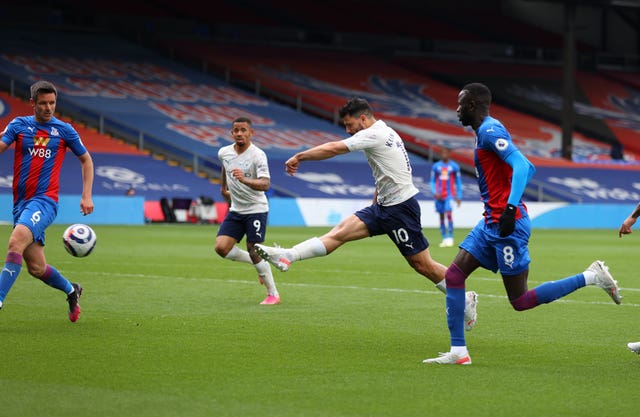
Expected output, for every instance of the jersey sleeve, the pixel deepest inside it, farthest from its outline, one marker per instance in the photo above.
(262, 165)
(9, 132)
(73, 141)
(360, 141)
(498, 141)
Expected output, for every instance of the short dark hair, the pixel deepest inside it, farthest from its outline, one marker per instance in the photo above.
(480, 93)
(242, 119)
(42, 87)
(355, 107)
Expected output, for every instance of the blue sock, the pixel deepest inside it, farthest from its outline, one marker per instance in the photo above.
(552, 290)
(9, 274)
(455, 315)
(54, 279)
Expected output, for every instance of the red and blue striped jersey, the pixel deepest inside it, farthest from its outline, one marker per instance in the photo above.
(39, 152)
(446, 179)
(493, 146)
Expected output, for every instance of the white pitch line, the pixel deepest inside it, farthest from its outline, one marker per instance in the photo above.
(355, 287)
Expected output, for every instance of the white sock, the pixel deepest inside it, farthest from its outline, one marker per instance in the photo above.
(589, 277)
(310, 248)
(459, 350)
(264, 270)
(442, 286)
(237, 254)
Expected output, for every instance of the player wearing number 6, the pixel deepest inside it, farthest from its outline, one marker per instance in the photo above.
(40, 142)
(499, 242)
(395, 210)
(245, 178)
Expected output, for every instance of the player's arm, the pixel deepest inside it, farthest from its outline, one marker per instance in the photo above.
(432, 183)
(3, 146)
(224, 189)
(625, 228)
(523, 170)
(458, 176)
(318, 153)
(86, 201)
(258, 184)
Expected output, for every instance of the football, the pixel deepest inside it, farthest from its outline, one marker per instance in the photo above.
(79, 240)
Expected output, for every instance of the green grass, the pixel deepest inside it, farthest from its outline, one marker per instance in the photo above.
(170, 329)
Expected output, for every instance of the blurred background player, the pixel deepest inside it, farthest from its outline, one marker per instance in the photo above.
(41, 143)
(395, 210)
(446, 185)
(625, 229)
(500, 240)
(245, 178)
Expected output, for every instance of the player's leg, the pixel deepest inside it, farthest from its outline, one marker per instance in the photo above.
(475, 251)
(255, 230)
(351, 228)
(38, 267)
(442, 224)
(231, 231)
(523, 299)
(456, 301)
(449, 216)
(20, 238)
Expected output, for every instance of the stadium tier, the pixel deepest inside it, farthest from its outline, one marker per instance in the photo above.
(160, 104)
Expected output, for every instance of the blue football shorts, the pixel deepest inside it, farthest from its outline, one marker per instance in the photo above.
(400, 222)
(37, 214)
(509, 255)
(443, 206)
(237, 225)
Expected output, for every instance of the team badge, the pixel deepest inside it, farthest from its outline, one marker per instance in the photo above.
(502, 144)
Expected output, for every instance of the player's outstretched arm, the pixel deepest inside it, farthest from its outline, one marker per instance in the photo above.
(317, 153)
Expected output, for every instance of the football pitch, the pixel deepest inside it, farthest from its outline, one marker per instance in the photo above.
(168, 328)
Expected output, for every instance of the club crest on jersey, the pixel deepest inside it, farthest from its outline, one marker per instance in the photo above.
(502, 144)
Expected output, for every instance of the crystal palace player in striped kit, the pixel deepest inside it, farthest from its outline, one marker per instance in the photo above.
(499, 242)
(41, 141)
(446, 185)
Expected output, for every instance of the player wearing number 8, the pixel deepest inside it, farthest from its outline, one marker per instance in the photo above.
(499, 242)
(394, 212)
(41, 141)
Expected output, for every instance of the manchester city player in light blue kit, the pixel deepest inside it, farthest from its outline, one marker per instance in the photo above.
(41, 142)
(499, 242)
(394, 212)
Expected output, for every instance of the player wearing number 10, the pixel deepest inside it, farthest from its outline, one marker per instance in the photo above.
(245, 178)
(41, 141)
(394, 211)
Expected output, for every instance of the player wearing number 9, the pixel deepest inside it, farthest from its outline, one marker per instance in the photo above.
(499, 242)
(41, 142)
(245, 179)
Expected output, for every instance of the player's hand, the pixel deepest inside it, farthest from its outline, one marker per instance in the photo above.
(292, 165)
(508, 220)
(625, 229)
(86, 206)
(238, 174)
